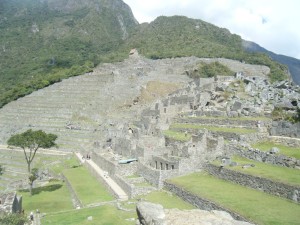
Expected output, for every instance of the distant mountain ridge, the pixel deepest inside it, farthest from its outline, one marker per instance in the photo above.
(45, 41)
(292, 63)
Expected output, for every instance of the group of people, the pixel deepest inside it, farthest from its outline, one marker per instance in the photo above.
(87, 156)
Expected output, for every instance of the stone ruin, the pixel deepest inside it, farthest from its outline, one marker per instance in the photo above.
(154, 214)
(10, 203)
(160, 158)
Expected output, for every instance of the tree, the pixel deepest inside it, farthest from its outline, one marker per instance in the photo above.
(13, 219)
(30, 141)
(1, 169)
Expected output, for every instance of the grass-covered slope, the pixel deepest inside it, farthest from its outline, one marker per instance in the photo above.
(42, 42)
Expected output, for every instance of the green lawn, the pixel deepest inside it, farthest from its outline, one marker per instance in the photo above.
(285, 150)
(103, 215)
(167, 200)
(272, 172)
(262, 208)
(244, 118)
(178, 136)
(236, 130)
(87, 188)
(51, 198)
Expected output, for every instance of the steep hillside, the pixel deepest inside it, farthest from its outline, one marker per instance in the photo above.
(45, 41)
(42, 42)
(180, 36)
(292, 63)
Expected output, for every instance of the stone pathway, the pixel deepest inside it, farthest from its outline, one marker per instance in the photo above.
(112, 184)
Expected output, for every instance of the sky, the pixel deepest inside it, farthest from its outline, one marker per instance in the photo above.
(273, 24)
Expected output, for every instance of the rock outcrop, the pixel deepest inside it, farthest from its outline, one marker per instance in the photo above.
(155, 214)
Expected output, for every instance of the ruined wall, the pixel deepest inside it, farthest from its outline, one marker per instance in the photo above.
(197, 201)
(104, 164)
(10, 203)
(155, 177)
(259, 183)
(285, 128)
(75, 199)
(266, 157)
(291, 142)
(222, 122)
(127, 187)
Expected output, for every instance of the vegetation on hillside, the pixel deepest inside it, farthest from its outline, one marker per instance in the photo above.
(44, 42)
(206, 70)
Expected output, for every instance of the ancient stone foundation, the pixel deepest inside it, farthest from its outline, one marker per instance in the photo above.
(259, 183)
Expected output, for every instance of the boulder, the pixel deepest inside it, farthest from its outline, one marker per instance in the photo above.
(150, 213)
(274, 150)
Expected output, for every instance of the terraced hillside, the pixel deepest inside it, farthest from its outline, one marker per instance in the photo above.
(80, 109)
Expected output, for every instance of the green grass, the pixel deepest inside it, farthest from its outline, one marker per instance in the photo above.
(69, 162)
(275, 173)
(143, 184)
(284, 150)
(212, 128)
(262, 208)
(178, 136)
(51, 198)
(167, 200)
(244, 118)
(87, 188)
(103, 215)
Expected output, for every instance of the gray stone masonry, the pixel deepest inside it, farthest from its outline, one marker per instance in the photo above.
(10, 203)
(285, 128)
(266, 157)
(262, 184)
(75, 199)
(197, 201)
(224, 122)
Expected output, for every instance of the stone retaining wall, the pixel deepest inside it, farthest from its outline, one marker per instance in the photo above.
(197, 201)
(75, 200)
(223, 122)
(259, 183)
(100, 179)
(154, 176)
(104, 164)
(288, 141)
(215, 134)
(285, 128)
(261, 156)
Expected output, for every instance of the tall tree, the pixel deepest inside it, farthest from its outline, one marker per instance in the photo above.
(30, 141)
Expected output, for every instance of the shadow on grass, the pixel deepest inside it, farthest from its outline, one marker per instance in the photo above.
(48, 188)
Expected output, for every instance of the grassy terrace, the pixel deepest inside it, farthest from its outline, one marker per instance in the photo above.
(275, 173)
(284, 150)
(262, 208)
(167, 200)
(50, 198)
(244, 118)
(87, 188)
(212, 128)
(178, 136)
(103, 215)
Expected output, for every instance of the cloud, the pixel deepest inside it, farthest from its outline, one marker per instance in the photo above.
(271, 24)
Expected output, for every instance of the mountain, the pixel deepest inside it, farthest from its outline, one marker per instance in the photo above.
(292, 63)
(45, 41)
(179, 36)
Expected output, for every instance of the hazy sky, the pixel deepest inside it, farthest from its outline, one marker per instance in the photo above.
(273, 24)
